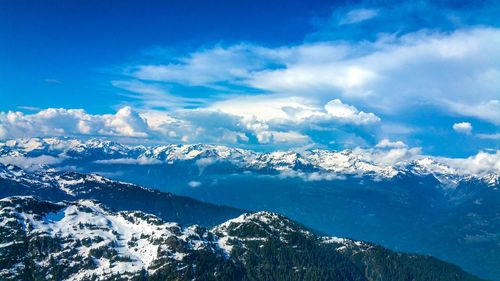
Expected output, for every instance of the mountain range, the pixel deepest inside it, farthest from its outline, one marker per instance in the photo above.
(313, 164)
(423, 206)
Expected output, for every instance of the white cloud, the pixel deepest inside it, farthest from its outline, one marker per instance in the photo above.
(267, 108)
(203, 163)
(487, 110)
(125, 122)
(30, 163)
(208, 66)
(243, 120)
(386, 143)
(463, 128)
(61, 122)
(489, 136)
(358, 15)
(396, 72)
(139, 87)
(290, 137)
(390, 156)
(481, 163)
(194, 184)
(314, 176)
(150, 95)
(277, 119)
(292, 109)
(337, 109)
(130, 161)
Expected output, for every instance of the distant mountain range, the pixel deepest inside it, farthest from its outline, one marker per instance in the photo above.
(423, 205)
(84, 240)
(312, 164)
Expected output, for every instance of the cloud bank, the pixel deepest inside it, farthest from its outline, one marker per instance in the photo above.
(268, 120)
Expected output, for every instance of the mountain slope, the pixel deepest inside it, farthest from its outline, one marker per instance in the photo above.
(52, 185)
(84, 240)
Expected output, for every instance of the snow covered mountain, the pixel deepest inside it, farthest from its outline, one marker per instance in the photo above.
(314, 164)
(84, 240)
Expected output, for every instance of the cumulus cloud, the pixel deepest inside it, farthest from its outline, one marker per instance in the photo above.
(481, 163)
(293, 109)
(349, 113)
(61, 122)
(292, 120)
(463, 128)
(386, 143)
(395, 153)
(388, 155)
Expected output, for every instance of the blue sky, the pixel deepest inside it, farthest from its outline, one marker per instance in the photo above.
(257, 74)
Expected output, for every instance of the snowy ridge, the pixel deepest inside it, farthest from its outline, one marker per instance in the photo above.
(235, 231)
(344, 244)
(122, 243)
(448, 176)
(112, 243)
(314, 164)
(70, 183)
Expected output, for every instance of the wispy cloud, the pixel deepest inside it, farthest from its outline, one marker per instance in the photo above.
(457, 71)
(210, 67)
(148, 96)
(367, 20)
(358, 15)
(495, 136)
(488, 110)
(52, 81)
(29, 108)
